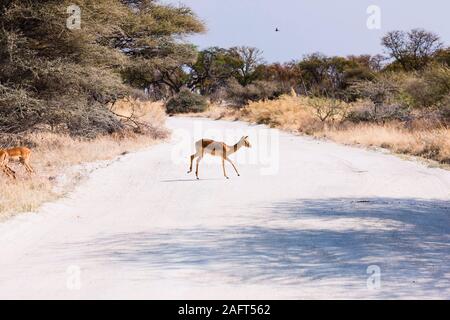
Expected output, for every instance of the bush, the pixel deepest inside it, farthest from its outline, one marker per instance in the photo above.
(259, 90)
(328, 109)
(427, 89)
(445, 110)
(379, 91)
(186, 101)
(367, 111)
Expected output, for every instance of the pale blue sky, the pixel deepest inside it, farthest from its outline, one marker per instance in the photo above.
(331, 27)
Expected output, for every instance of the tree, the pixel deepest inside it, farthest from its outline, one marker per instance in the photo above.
(411, 50)
(250, 58)
(286, 75)
(61, 78)
(322, 75)
(213, 68)
(158, 60)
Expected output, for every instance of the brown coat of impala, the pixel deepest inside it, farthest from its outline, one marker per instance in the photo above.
(20, 154)
(218, 149)
(4, 159)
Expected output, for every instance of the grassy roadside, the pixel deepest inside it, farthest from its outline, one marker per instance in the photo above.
(294, 114)
(54, 153)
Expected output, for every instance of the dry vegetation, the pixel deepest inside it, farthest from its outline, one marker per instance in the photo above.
(300, 115)
(53, 153)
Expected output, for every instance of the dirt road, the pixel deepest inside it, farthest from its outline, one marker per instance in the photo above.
(306, 219)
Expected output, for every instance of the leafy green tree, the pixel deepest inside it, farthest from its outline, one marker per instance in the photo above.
(63, 78)
(321, 75)
(213, 68)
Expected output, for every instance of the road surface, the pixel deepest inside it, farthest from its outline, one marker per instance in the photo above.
(306, 219)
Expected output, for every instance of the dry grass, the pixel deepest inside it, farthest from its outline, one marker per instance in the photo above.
(152, 112)
(430, 144)
(296, 114)
(53, 153)
(216, 112)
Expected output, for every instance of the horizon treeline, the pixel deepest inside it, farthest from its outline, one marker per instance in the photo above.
(53, 77)
(413, 75)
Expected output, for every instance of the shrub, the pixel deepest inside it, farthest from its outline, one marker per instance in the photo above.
(445, 110)
(186, 101)
(427, 89)
(328, 109)
(381, 90)
(258, 90)
(141, 117)
(367, 111)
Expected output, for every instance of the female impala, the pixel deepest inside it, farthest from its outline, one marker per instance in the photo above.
(218, 149)
(22, 155)
(4, 159)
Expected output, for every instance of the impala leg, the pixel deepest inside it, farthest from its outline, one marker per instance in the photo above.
(26, 164)
(28, 168)
(196, 169)
(223, 166)
(9, 172)
(192, 161)
(12, 172)
(233, 166)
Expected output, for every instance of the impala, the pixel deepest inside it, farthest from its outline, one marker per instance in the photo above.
(218, 149)
(22, 155)
(4, 159)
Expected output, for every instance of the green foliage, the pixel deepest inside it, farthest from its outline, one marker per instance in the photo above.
(186, 101)
(54, 77)
(322, 75)
(427, 89)
(213, 68)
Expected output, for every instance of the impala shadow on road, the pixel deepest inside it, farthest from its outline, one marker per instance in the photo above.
(414, 256)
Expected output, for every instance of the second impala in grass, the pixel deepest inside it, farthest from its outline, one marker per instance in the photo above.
(218, 149)
(4, 159)
(20, 154)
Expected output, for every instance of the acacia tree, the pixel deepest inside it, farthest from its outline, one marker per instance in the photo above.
(412, 50)
(63, 78)
(159, 60)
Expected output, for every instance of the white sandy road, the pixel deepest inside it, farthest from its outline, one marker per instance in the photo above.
(305, 220)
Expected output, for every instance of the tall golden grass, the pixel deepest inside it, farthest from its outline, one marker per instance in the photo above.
(53, 153)
(296, 114)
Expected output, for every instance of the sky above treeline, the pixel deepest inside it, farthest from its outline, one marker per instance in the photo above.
(307, 26)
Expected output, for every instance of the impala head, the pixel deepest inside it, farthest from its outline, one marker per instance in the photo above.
(245, 142)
